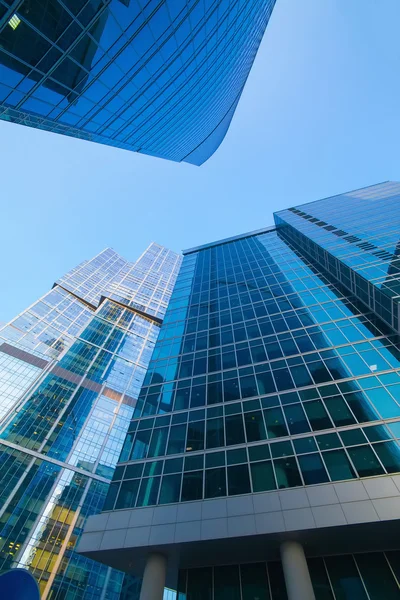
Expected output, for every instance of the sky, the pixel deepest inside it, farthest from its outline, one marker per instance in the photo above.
(319, 116)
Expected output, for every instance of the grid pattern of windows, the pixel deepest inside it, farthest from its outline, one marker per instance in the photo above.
(259, 343)
(361, 252)
(162, 77)
(73, 408)
(372, 576)
(302, 460)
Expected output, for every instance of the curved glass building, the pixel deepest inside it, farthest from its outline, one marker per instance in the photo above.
(161, 77)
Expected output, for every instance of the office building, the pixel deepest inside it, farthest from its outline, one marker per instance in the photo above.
(263, 460)
(161, 77)
(71, 368)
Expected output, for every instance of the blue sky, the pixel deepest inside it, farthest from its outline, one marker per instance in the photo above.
(319, 116)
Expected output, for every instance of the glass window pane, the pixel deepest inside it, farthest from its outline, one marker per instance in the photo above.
(215, 433)
(276, 426)
(111, 496)
(287, 473)
(192, 486)
(328, 441)
(141, 445)
(280, 449)
(231, 390)
(148, 491)
(312, 469)
(365, 461)
(255, 428)
(177, 438)
(134, 471)
(296, 419)
(376, 433)
(262, 476)
(394, 560)
(226, 583)
(254, 582)
(153, 468)
(238, 480)
(389, 453)
(317, 415)
(215, 483)
(353, 437)
(215, 459)
(345, 580)
(339, 411)
(170, 488)
(158, 442)
(377, 576)
(195, 436)
(319, 579)
(277, 581)
(259, 452)
(237, 456)
(199, 584)
(194, 463)
(234, 430)
(338, 465)
(173, 466)
(304, 445)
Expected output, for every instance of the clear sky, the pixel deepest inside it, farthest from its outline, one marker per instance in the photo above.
(320, 115)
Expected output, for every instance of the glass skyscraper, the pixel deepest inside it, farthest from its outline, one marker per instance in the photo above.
(262, 460)
(71, 368)
(161, 77)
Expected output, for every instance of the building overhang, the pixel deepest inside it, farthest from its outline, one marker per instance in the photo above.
(346, 517)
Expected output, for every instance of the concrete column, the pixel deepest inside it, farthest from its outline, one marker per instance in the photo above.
(154, 577)
(295, 569)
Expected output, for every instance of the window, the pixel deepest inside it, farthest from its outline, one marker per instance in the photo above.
(215, 482)
(177, 437)
(296, 419)
(226, 583)
(255, 428)
(338, 465)
(238, 480)
(148, 491)
(365, 461)
(215, 433)
(317, 415)
(287, 473)
(262, 476)
(192, 486)
(234, 430)
(345, 580)
(170, 488)
(276, 426)
(312, 469)
(377, 576)
(389, 453)
(254, 582)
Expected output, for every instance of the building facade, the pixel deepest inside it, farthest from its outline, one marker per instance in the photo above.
(262, 461)
(161, 77)
(72, 366)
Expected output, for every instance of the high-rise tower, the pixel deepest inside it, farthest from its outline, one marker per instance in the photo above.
(161, 77)
(71, 367)
(263, 457)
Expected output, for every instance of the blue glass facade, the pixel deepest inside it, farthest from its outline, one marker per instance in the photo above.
(71, 369)
(259, 352)
(161, 77)
(270, 413)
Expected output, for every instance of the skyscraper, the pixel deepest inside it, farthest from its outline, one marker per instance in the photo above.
(71, 367)
(161, 77)
(263, 458)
